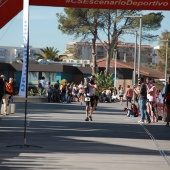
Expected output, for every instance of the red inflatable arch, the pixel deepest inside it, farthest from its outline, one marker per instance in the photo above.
(10, 8)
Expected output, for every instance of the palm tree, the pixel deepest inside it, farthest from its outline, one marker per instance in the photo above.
(48, 53)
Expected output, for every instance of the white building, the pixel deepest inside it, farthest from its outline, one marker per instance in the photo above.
(149, 55)
(9, 54)
(155, 56)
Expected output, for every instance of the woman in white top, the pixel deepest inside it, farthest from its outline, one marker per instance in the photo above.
(43, 83)
(121, 93)
(152, 101)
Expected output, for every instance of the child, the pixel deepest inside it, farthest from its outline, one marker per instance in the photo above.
(133, 112)
(129, 112)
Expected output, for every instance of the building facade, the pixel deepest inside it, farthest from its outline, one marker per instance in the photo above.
(125, 52)
(10, 54)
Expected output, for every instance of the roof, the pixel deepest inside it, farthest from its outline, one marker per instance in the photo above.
(122, 73)
(47, 68)
(145, 71)
(15, 6)
(6, 66)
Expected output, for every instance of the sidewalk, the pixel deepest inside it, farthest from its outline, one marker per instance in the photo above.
(110, 141)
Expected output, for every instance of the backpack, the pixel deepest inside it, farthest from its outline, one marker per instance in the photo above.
(8, 87)
(40, 85)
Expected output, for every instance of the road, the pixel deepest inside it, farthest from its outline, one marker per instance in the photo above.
(58, 138)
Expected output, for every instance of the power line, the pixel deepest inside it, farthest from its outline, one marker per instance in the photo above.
(7, 29)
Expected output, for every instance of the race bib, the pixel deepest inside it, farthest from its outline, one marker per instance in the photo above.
(87, 99)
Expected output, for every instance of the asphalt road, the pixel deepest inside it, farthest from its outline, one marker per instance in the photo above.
(57, 137)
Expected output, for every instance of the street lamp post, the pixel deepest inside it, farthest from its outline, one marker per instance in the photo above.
(135, 54)
(166, 62)
(115, 58)
(140, 41)
(166, 59)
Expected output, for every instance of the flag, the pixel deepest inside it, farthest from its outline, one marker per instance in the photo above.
(24, 78)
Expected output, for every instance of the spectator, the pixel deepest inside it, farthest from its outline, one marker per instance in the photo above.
(108, 94)
(2, 90)
(74, 92)
(128, 95)
(81, 91)
(57, 91)
(152, 101)
(142, 92)
(115, 91)
(9, 90)
(167, 101)
(68, 93)
(104, 97)
(43, 83)
(63, 91)
(49, 91)
(121, 93)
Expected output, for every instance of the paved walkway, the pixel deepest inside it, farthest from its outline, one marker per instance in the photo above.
(110, 141)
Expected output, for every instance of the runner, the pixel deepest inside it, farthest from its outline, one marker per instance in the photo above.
(90, 98)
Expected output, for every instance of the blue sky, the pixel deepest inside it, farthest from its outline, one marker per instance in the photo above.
(44, 30)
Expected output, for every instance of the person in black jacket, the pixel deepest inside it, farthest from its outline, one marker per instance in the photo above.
(2, 90)
(167, 101)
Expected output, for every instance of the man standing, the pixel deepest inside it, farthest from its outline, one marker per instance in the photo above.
(57, 91)
(90, 98)
(167, 101)
(142, 93)
(8, 93)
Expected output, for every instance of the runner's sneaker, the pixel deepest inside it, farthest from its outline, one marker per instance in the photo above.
(167, 124)
(140, 121)
(90, 117)
(87, 119)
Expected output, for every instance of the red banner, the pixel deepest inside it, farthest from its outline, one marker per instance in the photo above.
(10, 8)
(108, 4)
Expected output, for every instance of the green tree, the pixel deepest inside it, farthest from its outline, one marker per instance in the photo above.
(81, 23)
(74, 51)
(87, 23)
(48, 53)
(104, 81)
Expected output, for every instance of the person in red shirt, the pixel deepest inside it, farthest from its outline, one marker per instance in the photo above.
(129, 95)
